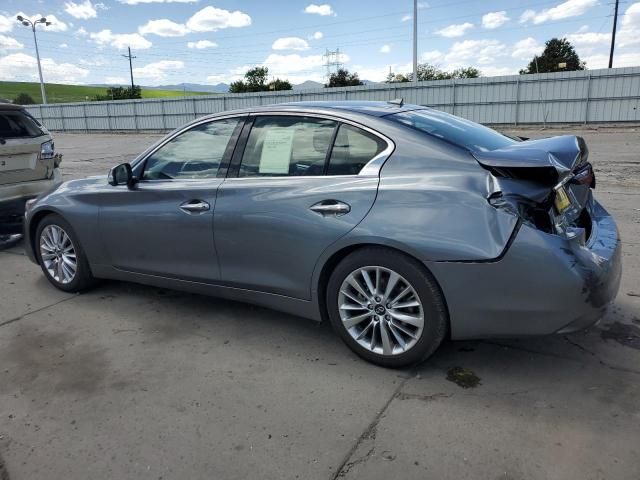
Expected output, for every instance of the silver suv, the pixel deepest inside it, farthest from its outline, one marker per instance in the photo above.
(28, 164)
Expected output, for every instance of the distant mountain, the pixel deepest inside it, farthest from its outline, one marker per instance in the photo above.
(309, 84)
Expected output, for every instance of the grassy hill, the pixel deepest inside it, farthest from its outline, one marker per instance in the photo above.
(57, 93)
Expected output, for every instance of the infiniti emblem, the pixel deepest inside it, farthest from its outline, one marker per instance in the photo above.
(380, 310)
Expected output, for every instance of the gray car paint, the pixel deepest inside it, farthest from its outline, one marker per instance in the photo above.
(499, 277)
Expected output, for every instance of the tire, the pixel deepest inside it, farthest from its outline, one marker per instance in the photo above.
(82, 278)
(346, 303)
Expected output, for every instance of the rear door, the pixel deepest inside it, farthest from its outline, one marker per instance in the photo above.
(21, 141)
(164, 225)
(299, 184)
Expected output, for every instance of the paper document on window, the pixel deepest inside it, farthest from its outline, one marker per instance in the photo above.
(276, 151)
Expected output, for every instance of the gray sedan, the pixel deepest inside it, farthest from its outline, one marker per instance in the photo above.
(399, 224)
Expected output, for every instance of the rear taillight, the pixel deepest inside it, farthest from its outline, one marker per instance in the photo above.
(585, 176)
(47, 151)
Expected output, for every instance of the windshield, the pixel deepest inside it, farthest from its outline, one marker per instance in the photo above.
(456, 130)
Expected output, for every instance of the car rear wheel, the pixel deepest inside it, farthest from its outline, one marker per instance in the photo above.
(61, 256)
(386, 307)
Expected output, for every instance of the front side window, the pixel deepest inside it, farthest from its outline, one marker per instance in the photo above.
(194, 154)
(463, 133)
(281, 146)
(352, 150)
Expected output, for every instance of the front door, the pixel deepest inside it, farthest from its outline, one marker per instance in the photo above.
(292, 192)
(164, 225)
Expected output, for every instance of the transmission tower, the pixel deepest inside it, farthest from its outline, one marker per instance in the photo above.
(332, 62)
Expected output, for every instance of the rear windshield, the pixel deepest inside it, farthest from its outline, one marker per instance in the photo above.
(16, 124)
(456, 130)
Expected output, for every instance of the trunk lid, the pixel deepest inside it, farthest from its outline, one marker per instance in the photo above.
(549, 178)
(21, 140)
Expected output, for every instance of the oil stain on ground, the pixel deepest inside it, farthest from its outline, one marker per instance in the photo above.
(463, 377)
(624, 334)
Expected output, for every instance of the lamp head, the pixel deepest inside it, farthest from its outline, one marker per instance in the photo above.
(20, 18)
(25, 23)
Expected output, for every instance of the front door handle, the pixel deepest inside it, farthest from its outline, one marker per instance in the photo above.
(331, 207)
(195, 206)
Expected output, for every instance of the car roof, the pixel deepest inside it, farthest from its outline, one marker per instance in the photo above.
(10, 107)
(376, 109)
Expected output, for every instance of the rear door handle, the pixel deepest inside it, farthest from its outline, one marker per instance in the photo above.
(195, 206)
(331, 207)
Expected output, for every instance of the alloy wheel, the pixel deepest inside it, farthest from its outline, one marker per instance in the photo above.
(58, 254)
(381, 310)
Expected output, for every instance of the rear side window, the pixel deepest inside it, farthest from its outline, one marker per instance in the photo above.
(352, 150)
(282, 146)
(463, 133)
(16, 124)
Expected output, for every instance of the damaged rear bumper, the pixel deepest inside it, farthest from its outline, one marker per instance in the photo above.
(543, 284)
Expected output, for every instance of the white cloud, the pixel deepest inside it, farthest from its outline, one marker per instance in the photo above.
(290, 43)
(116, 80)
(317, 36)
(84, 10)
(17, 65)
(385, 49)
(6, 23)
(588, 39)
(120, 40)
(163, 28)
(493, 20)
(81, 32)
(526, 48)
(619, 60)
(630, 27)
(217, 78)
(157, 71)
(94, 61)
(9, 43)
(210, 19)
(570, 8)
(456, 30)
(406, 18)
(63, 45)
(136, 2)
(489, 71)
(431, 56)
(324, 9)
(481, 52)
(202, 44)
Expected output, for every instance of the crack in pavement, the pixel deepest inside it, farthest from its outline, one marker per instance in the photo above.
(369, 434)
(555, 355)
(16, 319)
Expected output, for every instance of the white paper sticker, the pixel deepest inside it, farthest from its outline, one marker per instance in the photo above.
(276, 151)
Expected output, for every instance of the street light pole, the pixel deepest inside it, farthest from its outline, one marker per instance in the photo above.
(415, 41)
(28, 23)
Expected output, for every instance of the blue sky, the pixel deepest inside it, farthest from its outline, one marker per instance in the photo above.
(202, 41)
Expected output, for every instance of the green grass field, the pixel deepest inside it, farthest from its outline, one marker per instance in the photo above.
(57, 93)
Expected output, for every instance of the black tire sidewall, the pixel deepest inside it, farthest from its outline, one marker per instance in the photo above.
(436, 319)
(83, 278)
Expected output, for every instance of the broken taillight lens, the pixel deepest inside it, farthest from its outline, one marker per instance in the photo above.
(585, 176)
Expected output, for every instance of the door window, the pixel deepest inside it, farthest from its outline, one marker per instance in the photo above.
(287, 146)
(194, 154)
(352, 150)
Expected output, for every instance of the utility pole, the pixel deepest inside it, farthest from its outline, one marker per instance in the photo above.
(415, 41)
(28, 23)
(130, 65)
(613, 34)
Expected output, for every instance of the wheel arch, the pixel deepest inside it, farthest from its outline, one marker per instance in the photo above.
(338, 255)
(34, 221)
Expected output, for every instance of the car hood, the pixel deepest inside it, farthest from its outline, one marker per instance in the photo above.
(564, 153)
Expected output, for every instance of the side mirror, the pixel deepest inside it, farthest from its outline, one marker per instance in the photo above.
(121, 175)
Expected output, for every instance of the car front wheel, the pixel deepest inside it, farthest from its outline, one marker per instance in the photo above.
(386, 307)
(61, 256)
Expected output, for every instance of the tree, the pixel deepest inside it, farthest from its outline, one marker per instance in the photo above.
(343, 78)
(255, 80)
(556, 52)
(121, 93)
(24, 99)
(427, 71)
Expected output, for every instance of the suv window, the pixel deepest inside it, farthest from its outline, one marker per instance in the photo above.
(287, 146)
(463, 133)
(352, 150)
(194, 154)
(17, 124)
